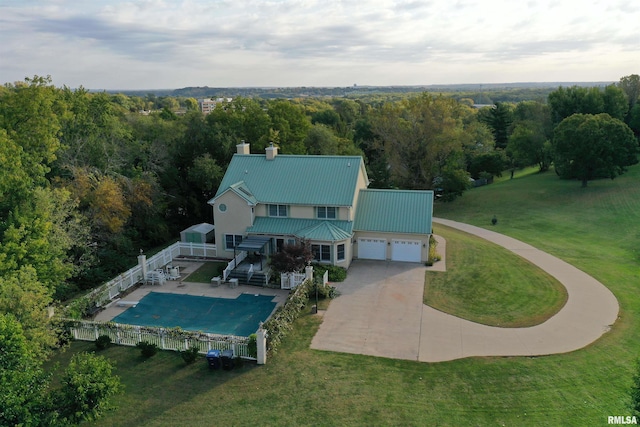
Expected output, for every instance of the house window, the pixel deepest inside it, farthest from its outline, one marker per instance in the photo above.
(321, 252)
(231, 241)
(341, 252)
(278, 210)
(326, 212)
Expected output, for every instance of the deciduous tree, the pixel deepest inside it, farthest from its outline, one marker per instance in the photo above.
(421, 136)
(615, 102)
(528, 145)
(590, 146)
(205, 174)
(292, 125)
(27, 113)
(631, 87)
(292, 257)
(23, 399)
(87, 386)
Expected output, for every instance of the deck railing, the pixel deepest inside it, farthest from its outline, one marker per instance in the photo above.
(250, 273)
(233, 263)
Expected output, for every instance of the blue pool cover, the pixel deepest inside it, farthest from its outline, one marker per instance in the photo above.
(240, 316)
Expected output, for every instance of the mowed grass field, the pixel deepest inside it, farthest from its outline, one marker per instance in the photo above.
(488, 284)
(596, 229)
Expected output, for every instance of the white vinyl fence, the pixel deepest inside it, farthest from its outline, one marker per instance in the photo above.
(108, 291)
(325, 277)
(291, 280)
(165, 339)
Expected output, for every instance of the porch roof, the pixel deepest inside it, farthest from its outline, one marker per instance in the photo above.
(312, 229)
(253, 243)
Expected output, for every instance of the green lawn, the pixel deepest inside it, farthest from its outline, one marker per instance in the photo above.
(488, 284)
(596, 229)
(208, 270)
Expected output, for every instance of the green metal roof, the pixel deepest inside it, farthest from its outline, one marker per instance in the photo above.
(312, 229)
(293, 179)
(394, 211)
(241, 189)
(325, 230)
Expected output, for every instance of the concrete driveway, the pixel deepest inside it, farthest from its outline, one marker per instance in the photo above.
(380, 313)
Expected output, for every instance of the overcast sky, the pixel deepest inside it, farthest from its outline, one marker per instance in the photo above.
(155, 44)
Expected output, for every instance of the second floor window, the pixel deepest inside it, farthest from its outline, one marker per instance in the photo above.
(278, 210)
(326, 212)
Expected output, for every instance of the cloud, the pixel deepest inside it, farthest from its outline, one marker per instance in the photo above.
(171, 43)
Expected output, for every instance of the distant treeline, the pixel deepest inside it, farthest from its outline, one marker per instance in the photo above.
(480, 93)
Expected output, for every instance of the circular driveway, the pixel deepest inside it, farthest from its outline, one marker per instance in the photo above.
(380, 313)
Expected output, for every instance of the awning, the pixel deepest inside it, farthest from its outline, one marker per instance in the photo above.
(253, 243)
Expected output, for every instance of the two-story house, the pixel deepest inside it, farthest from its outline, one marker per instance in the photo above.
(268, 200)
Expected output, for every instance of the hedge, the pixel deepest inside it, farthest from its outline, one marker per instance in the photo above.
(282, 320)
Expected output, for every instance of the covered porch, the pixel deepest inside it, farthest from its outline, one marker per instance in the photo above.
(250, 262)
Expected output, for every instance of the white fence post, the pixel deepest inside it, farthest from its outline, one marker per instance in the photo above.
(261, 341)
(142, 262)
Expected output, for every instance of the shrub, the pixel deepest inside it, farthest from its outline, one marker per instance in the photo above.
(282, 321)
(252, 345)
(336, 273)
(433, 253)
(190, 355)
(324, 290)
(86, 388)
(147, 349)
(103, 342)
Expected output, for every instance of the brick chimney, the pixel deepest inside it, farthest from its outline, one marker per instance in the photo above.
(271, 151)
(243, 148)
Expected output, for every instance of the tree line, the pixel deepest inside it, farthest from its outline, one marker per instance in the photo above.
(87, 180)
(112, 180)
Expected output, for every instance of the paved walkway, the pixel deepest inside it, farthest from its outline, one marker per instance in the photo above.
(385, 316)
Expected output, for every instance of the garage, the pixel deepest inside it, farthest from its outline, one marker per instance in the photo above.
(406, 250)
(372, 248)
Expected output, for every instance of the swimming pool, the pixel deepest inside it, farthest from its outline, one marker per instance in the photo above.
(240, 316)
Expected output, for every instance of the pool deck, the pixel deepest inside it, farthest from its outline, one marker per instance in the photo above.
(183, 286)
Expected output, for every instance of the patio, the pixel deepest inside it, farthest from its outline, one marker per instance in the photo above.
(184, 286)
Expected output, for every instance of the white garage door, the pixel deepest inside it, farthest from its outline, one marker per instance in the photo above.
(406, 250)
(372, 248)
